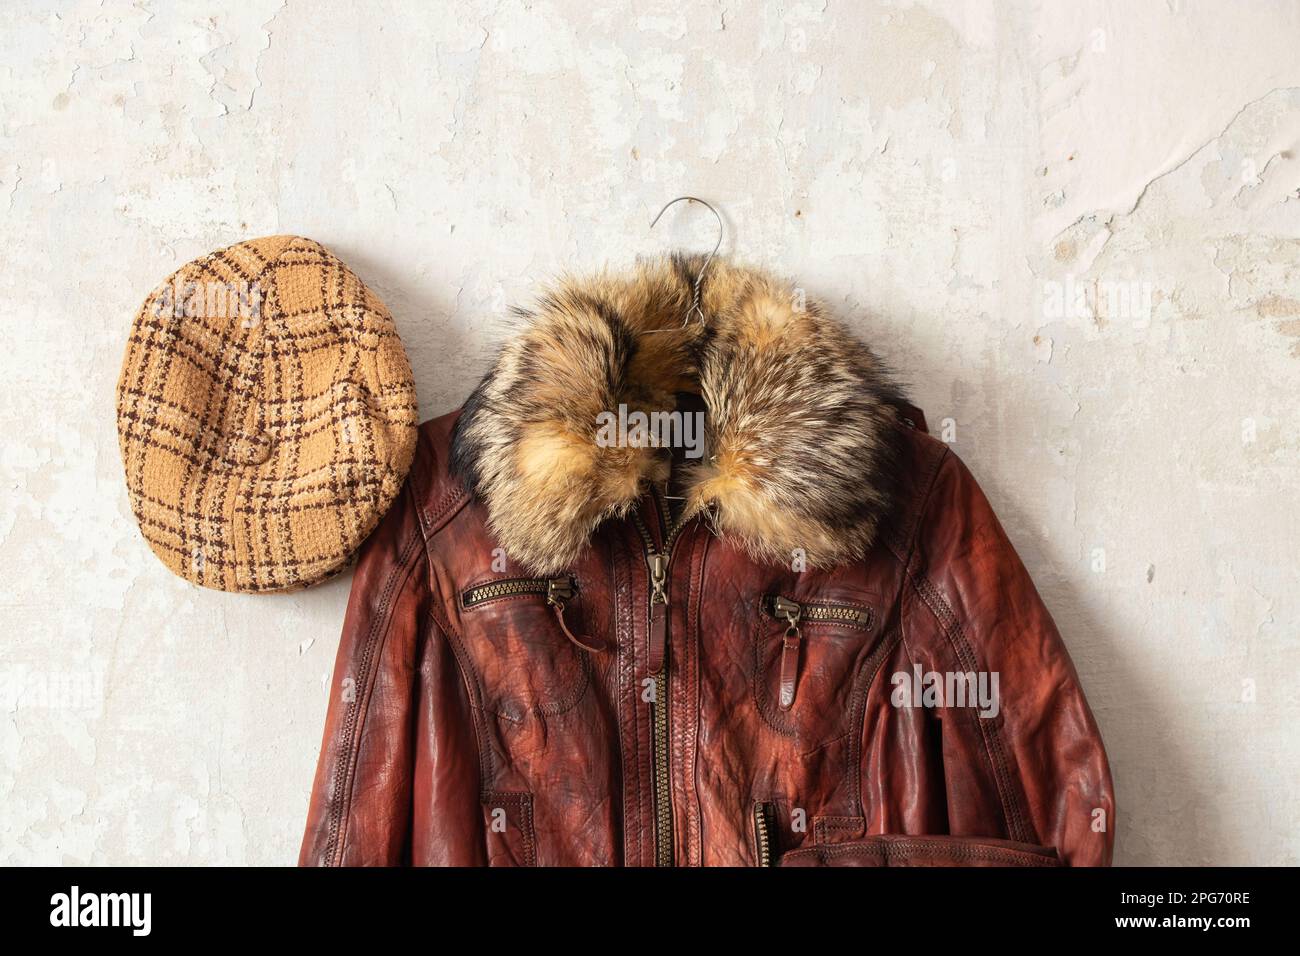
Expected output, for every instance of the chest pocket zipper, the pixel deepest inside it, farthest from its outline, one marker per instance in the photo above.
(794, 613)
(558, 591)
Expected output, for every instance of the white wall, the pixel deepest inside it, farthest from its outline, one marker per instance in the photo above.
(939, 172)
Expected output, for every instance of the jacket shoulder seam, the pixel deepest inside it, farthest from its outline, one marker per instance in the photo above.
(436, 515)
(904, 543)
(955, 633)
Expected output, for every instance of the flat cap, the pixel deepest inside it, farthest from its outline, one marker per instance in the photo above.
(267, 416)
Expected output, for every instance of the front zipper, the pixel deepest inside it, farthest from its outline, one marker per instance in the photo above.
(657, 660)
(763, 833)
(792, 612)
(559, 591)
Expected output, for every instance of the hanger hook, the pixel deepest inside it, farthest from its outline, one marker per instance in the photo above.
(695, 310)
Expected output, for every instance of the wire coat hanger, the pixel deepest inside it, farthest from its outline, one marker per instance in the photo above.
(695, 311)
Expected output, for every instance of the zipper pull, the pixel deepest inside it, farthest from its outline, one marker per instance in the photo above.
(558, 592)
(658, 611)
(790, 645)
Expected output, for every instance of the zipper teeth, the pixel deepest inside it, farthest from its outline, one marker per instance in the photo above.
(760, 830)
(663, 802)
(670, 538)
(853, 616)
(486, 592)
(673, 532)
(818, 612)
(644, 531)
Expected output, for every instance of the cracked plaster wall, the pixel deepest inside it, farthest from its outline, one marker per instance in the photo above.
(1074, 228)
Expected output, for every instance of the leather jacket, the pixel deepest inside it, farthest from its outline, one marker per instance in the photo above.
(827, 654)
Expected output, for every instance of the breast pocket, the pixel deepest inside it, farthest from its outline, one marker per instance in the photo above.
(808, 654)
(522, 635)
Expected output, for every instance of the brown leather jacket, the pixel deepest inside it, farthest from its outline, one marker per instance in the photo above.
(829, 654)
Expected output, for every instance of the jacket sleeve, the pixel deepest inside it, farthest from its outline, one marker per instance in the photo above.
(360, 810)
(1032, 768)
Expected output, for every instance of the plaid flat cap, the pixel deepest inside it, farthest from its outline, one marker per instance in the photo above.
(266, 414)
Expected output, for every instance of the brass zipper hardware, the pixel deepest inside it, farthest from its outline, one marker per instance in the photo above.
(763, 834)
(512, 586)
(792, 612)
(657, 562)
(786, 609)
(790, 644)
(846, 614)
(658, 611)
(558, 591)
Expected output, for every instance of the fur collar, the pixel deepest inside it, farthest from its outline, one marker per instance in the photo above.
(802, 440)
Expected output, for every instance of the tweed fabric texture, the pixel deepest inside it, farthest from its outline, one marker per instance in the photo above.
(266, 414)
